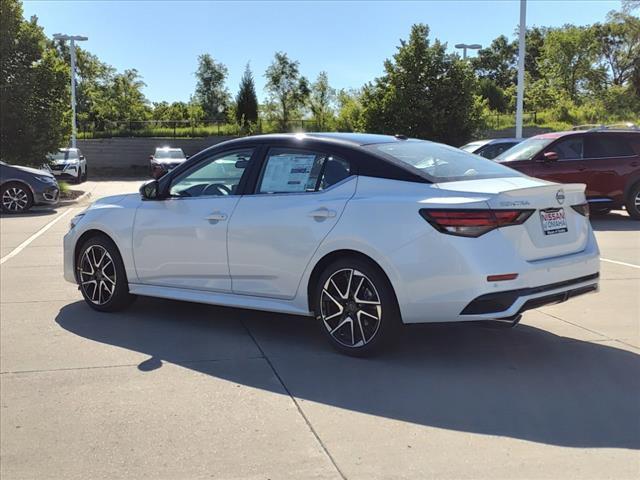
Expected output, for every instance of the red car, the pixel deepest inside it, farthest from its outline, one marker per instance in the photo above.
(606, 160)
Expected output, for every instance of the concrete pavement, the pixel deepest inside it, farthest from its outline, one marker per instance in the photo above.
(177, 390)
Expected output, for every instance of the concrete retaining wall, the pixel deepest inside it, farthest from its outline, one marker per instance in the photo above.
(130, 156)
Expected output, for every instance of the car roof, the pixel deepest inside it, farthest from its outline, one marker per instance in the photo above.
(353, 139)
(366, 161)
(168, 148)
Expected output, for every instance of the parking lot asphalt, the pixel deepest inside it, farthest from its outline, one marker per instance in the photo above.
(177, 390)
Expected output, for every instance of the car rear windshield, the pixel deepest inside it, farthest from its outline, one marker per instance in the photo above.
(169, 154)
(525, 150)
(442, 163)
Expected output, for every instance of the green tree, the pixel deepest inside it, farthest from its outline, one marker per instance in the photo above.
(568, 59)
(34, 93)
(349, 117)
(618, 43)
(246, 100)
(498, 62)
(494, 94)
(211, 92)
(424, 93)
(321, 100)
(288, 90)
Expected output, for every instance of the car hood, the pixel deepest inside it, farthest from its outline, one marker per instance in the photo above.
(169, 160)
(35, 171)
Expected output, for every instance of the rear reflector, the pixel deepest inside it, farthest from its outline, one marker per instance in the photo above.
(502, 277)
(472, 223)
(582, 209)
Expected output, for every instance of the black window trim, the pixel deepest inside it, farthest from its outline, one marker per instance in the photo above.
(253, 191)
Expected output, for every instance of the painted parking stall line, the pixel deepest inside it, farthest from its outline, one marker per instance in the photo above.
(620, 263)
(28, 241)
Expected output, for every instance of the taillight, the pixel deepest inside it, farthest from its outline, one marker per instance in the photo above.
(582, 209)
(472, 223)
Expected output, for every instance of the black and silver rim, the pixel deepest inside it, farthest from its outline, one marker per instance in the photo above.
(15, 199)
(97, 274)
(350, 308)
(636, 201)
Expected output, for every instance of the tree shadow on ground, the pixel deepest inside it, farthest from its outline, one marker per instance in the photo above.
(523, 383)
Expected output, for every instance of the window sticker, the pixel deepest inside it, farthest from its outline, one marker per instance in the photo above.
(287, 173)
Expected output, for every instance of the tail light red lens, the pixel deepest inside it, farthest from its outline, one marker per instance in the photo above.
(472, 223)
(582, 209)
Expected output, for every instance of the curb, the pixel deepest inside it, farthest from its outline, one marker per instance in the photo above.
(82, 197)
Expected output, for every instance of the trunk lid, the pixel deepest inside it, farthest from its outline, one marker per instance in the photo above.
(555, 199)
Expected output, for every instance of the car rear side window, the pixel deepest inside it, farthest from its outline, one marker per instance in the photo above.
(605, 146)
(442, 163)
(296, 171)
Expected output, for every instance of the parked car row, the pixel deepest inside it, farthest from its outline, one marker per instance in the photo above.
(606, 160)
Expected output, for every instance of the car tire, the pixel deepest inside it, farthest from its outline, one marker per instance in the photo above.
(85, 174)
(78, 177)
(101, 275)
(633, 202)
(356, 306)
(15, 198)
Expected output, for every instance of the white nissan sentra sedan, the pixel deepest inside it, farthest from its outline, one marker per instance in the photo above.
(362, 232)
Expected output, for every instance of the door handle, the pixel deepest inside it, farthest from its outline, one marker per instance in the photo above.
(217, 217)
(323, 213)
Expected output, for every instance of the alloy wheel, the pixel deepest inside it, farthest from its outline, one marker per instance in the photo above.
(350, 308)
(15, 199)
(636, 201)
(97, 273)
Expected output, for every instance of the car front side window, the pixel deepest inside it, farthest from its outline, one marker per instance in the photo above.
(218, 175)
(299, 171)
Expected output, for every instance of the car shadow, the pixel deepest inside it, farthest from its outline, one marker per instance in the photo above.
(614, 221)
(34, 212)
(523, 383)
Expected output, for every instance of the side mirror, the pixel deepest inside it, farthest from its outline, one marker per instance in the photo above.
(186, 157)
(149, 190)
(242, 163)
(150, 157)
(81, 157)
(550, 156)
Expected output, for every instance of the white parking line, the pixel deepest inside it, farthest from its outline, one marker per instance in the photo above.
(620, 263)
(26, 243)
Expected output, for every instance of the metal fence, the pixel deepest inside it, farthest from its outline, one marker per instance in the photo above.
(187, 128)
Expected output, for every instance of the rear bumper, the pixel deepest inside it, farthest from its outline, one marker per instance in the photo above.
(447, 281)
(529, 298)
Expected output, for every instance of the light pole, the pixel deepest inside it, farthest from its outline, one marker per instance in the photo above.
(521, 53)
(72, 49)
(465, 46)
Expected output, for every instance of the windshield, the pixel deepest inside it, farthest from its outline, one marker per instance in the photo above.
(442, 163)
(63, 155)
(525, 150)
(176, 154)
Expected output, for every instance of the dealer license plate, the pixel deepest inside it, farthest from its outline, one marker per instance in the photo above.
(553, 221)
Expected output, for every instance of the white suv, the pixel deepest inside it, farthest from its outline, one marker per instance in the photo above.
(68, 164)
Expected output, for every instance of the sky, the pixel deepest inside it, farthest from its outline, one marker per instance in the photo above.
(348, 39)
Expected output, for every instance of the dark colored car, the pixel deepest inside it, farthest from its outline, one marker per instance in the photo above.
(490, 148)
(165, 159)
(23, 187)
(606, 160)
